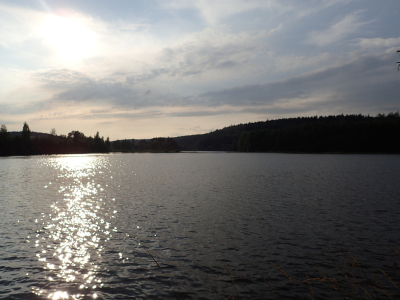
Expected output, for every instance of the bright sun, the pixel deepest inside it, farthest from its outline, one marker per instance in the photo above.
(69, 37)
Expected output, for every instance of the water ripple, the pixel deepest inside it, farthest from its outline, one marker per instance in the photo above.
(191, 226)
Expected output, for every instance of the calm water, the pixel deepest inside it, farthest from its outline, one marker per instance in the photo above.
(96, 226)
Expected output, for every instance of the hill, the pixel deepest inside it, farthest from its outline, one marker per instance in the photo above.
(333, 134)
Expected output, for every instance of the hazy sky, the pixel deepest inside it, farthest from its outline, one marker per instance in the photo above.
(141, 69)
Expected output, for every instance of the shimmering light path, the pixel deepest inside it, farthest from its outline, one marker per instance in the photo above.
(71, 243)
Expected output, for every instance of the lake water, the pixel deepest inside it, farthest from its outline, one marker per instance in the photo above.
(196, 225)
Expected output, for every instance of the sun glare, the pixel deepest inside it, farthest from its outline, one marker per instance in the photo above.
(69, 37)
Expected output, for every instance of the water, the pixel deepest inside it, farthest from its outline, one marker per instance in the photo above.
(193, 225)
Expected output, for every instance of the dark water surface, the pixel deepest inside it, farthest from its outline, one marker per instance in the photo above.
(96, 226)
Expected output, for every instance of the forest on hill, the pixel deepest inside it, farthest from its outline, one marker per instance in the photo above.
(35, 143)
(330, 134)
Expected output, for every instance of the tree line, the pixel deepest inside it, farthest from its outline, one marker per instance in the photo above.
(27, 142)
(329, 134)
(159, 144)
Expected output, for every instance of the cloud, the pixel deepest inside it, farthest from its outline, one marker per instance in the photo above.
(338, 31)
(201, 112)
(367, 43)
(213, 52)
(205, 55)
(367, 82)
(154, 73)
(23, 108)
(290, 63)
(69, 85)
(311, 8)
(214, 11)
(17, 25)
(57, 79)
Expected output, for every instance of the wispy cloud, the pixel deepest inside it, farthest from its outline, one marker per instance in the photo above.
(367, 43)
(213, 49)
(215, 11)
(340, 30)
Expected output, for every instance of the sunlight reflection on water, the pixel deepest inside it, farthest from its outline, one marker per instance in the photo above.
(71, 243)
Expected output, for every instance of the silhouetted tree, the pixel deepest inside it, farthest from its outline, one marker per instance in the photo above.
(3, 128)
(98, 144)
(3, 132)
(4, 144)
(26, 132)
(76, 135)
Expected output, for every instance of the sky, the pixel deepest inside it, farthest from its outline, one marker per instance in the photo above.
(146, 68)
